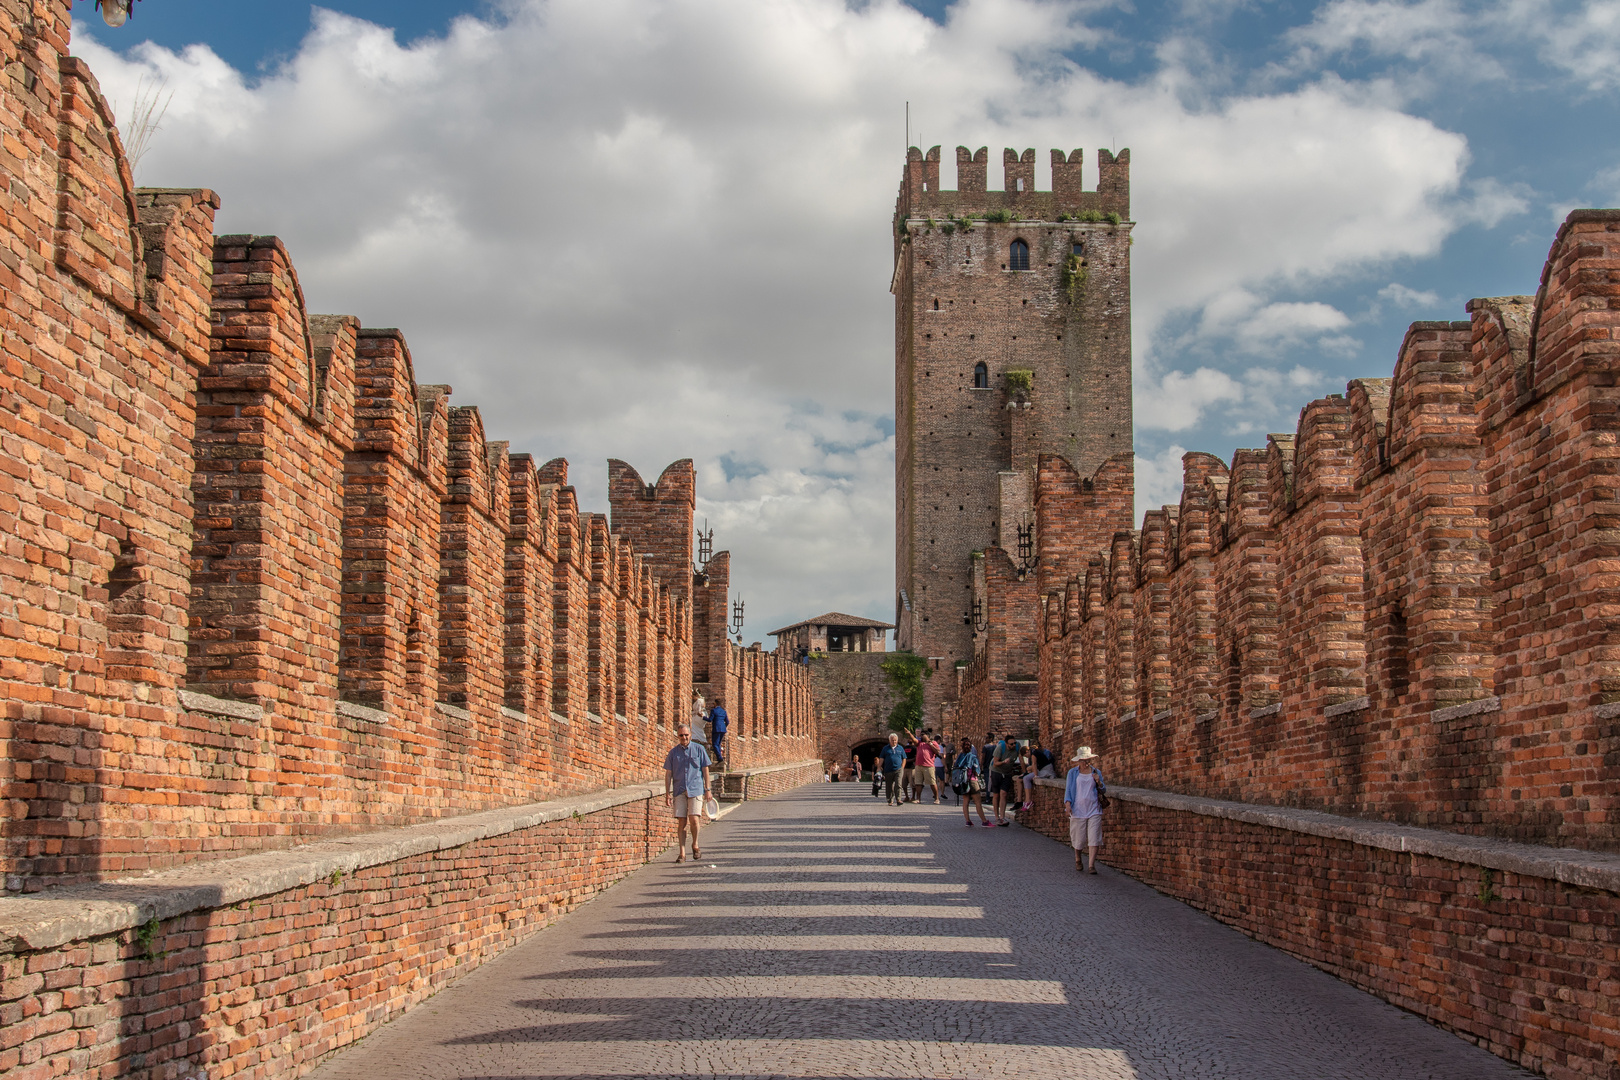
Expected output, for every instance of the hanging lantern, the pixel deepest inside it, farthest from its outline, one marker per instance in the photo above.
(116, 12)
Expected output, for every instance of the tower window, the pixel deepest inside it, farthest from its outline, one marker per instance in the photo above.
(936, 303)
(981, 377)
(1018, 256)
(1079, 248)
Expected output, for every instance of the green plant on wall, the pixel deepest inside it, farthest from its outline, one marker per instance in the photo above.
(1020, 381)
(906, 672)
(1074, 278)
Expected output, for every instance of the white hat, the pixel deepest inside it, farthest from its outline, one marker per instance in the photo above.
(1083, 754)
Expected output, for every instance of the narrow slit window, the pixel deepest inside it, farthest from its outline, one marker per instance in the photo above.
(1018, 256)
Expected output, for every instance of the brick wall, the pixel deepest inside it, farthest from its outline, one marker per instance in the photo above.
(260, 585)
(1520, 964)
(1402, 613)
(214, 988)
(1399, 611)
(852, 699)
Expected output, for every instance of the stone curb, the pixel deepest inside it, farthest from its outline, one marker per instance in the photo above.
(54, 917)
(1573, 866)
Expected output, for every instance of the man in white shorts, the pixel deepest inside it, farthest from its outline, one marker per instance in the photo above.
(686, 787)
(1080, 793)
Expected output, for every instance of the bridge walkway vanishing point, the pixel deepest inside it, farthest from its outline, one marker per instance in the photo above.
(825, 934)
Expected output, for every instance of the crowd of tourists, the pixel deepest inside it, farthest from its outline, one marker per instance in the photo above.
(1002, 770)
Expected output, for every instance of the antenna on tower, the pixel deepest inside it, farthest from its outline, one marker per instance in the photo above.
(908, 127)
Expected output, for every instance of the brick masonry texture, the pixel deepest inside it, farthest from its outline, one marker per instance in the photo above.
(1403, 611)
(965, 453)
(1521, 965)
(268, 986)
(259, 586)
(852, 699)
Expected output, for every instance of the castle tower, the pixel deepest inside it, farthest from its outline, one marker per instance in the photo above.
(1012, 339)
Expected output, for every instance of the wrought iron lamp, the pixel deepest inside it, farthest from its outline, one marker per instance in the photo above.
(979, 621)
(705, 552)
(737, 619)
(1026, 548)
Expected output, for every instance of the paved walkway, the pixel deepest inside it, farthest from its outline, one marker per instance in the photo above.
(824, 934)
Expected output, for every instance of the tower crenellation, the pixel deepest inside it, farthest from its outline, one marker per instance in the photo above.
(922, 198)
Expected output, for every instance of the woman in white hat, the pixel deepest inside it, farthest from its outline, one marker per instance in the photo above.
(1081, 800)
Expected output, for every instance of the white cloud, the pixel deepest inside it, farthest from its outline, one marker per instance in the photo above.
(1445, 40)
(659, 228)
(1158, 479)
(1408, 299)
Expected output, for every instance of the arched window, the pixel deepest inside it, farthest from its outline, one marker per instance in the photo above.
(981, 377)
(1018, 256)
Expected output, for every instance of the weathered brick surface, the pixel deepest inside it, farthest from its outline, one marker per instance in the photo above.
(267, 987)
(1403, 611)
(1523, 966)
(965, 454)
(852, 698)
(1400, 611)
(261, 585)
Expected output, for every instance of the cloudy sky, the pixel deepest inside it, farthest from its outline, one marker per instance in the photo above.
(655, 229)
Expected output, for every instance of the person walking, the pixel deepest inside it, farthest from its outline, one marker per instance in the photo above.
(1083, 796)
(941, 772)
(924, 773)
(909, 769)
(893, 760)
(855, 766)
(1003, 762)
(718, 723)
(700, 717)
(686, 787)
(968, 779)
(877, 774)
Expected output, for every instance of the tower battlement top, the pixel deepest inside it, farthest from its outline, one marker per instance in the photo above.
(920, 194)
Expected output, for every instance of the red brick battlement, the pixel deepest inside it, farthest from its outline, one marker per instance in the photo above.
(258, 584)
(1404, 610)
(921, 197)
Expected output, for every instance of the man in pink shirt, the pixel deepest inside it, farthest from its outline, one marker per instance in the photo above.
(928, 752)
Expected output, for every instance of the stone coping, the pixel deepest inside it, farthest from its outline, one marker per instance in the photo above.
(816, 762)
(55, 917)
(1573, 866)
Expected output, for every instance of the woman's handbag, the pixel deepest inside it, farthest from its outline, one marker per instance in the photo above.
(1103, 801)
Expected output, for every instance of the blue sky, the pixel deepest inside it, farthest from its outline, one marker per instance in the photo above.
(659, 228)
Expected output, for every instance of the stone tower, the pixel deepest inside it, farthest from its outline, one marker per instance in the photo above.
(1012, 339)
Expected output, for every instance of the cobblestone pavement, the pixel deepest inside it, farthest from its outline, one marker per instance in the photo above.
(825, 934)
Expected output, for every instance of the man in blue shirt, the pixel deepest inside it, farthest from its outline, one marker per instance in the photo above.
(686, 787)
(718, 722)
(892, 758)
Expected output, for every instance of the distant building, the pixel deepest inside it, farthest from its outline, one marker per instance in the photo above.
(833, 632)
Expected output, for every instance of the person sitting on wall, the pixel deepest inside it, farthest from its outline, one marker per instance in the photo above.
(686, 787)
(718, 723)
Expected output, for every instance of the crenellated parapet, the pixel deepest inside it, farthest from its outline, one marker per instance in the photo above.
(1402, 609)
(266, 586)
(921, 196)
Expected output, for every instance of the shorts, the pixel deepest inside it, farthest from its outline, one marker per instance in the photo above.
(1000, 782)
(688, 805)
(1085, 832)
